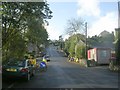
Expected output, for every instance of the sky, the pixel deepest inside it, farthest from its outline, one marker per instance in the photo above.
(100, 15)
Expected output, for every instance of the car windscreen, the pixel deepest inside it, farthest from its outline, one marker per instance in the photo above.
(16, 63)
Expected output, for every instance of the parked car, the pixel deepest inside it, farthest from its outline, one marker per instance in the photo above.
(18, 69)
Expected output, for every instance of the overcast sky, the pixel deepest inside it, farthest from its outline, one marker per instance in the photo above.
(100, 15)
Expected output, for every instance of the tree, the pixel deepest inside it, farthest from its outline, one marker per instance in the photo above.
(16, 18)
(75, 26)
(71, 43)
(76, 30)
(104, 39)
(117, 45)
(17, 14)
(67, 46)
(80, 51)
(94, 41)
(14, 48)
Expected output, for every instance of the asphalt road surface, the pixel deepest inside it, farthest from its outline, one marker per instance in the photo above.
(64, 74)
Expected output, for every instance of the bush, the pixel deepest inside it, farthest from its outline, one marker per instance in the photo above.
(80, 51)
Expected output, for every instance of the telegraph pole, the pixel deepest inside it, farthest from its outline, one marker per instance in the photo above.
(118, 14)
(86, 40)
(117, 37)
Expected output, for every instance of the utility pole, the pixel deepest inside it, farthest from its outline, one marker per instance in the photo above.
(117, 37)
(118, 14)
(86, 39)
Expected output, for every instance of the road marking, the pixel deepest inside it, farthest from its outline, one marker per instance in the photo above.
(10, 86)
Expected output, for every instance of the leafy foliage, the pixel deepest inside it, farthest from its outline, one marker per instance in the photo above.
(80, 51)
(105, 39)
(76, 29)
(70, 45)
(23, 22)
(75, 26)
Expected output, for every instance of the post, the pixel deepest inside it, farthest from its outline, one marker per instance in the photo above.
(118, 36)
(118, 14)
(86, 40)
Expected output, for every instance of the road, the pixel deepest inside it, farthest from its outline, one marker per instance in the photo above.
(64, 74)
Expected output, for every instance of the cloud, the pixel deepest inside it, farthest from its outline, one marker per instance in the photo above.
(91, 9)
(62, 0)
(107, 22)
(76, 0)
(65, 37)
(88, 8)
(53, 33)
